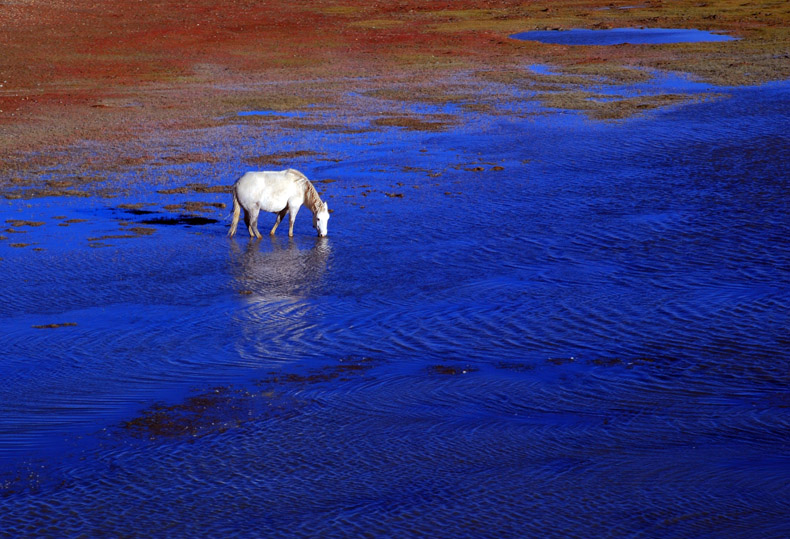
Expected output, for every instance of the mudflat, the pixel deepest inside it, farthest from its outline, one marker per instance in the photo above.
(137, 74)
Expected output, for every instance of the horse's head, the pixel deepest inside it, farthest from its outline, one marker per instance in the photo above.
(321, 219)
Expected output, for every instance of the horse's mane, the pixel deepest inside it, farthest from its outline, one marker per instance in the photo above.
(311, 196)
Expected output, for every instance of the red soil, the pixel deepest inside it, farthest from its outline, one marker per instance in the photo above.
(78, 69)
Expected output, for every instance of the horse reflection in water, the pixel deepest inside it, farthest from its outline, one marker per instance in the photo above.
(277, 282)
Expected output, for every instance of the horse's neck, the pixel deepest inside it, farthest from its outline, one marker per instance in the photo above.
(311, 198)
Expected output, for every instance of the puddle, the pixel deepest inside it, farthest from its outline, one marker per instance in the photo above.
(634, 6)
(620, 36)
(543, 69)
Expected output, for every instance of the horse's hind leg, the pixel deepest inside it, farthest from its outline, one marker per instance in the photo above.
(280, 217)
(252, 225)
(247, 221)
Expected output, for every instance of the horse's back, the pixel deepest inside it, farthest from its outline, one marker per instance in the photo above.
(269, 190)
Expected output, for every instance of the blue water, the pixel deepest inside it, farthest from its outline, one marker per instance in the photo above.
(286, 113)
(619, 36)
(590, 341)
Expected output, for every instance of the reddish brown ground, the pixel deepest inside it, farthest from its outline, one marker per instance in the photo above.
(115, 70)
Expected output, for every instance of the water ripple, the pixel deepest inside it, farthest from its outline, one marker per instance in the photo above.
(588, 342)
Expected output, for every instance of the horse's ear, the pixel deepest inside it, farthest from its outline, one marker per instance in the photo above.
(326, 206)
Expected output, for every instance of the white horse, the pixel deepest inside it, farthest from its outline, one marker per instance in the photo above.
(277, 192)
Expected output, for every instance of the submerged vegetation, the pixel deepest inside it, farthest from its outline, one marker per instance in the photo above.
(227, 407)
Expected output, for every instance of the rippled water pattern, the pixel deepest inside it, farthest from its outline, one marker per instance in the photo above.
(590, 342)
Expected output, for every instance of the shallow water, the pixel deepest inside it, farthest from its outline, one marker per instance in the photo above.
(589, 341)
(288, 114)
(619, 36)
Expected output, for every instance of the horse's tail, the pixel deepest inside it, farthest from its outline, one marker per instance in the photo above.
(236, 213)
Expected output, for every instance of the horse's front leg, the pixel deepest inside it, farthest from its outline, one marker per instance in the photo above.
(280, 216)
(294, 211)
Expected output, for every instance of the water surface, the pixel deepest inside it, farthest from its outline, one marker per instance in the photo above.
(619, 36)
(521, 326)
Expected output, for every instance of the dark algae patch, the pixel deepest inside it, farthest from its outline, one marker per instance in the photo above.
(195, 188)
(451, 370)
(345, 369)
(129, 233)
(207, 413)
(515, 366)
(18, 222)
(282, 158)
(134, 208)
(55, 326)
(417, 123)
(613, 107)
(196, 206)
(222, 408)
(141, 230)
(187, 220)
(67, 222)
